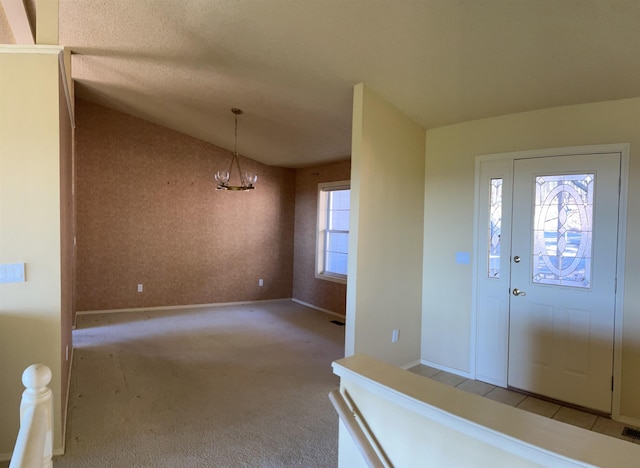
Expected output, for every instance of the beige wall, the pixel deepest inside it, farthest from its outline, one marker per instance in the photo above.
(30, 227)
(385, 249)
(148, 212)
(449, 201)
(321, 293)
(422, 422)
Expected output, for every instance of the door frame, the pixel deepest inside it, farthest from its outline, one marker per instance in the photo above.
(623, 149)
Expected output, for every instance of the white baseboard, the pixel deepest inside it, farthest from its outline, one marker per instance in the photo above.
(451, 370)
(311, 306)
(411, 364)
(185, 306)
(627, 420)
(4, 457)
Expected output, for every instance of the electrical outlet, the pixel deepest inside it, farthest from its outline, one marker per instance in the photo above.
(140, 287)
(260, 282)
(395, 336)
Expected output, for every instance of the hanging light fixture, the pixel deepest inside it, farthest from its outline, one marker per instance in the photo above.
(247, 179)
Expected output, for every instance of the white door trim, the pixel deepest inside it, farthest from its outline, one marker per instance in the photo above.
(624, 150)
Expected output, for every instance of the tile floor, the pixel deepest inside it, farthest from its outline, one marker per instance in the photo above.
(528, 403)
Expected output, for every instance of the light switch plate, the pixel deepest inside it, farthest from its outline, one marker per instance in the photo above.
(12, 273)
(463, 258)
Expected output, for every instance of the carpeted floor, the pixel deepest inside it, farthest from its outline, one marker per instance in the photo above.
(237, 386)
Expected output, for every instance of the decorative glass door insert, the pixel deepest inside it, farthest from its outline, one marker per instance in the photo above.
(495, 227)
(562, 223)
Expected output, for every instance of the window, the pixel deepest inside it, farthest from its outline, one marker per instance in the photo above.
(332, 249)
(495, 227)
(563, 228)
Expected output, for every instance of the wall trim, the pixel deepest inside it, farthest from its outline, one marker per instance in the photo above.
(311, 306)
(411, 364)
(66, 85)
(33, 49)
(627, 420)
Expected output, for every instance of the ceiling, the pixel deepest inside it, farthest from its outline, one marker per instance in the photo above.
(291, 64)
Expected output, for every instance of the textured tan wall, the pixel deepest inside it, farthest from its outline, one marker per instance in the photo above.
(148, 212)
(306, 287)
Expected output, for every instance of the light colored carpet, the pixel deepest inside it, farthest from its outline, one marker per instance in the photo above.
(237, 386)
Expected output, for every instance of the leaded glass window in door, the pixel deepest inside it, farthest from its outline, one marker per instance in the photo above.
(495, 227)
(562, 240)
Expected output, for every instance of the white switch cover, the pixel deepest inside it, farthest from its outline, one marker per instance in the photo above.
(12, 273)
(140, 287)
(395, 336)
(463, 258)
(260, 282)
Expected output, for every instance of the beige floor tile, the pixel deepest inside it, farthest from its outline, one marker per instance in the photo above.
(475, 386)
(528, 403)
(537, 406)
(425, 371)
(448, 378)
(507, 397)
(611, 428)
(575, 417)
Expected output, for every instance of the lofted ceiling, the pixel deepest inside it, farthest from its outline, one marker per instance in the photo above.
(291, 64)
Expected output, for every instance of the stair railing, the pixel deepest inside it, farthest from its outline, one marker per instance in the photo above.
(34, 445)
(361, 435)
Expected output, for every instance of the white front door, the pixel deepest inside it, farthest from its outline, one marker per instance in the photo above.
(564, 231)
(548, 232)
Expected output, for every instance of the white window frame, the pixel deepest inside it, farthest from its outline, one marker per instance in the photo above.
(321, 228)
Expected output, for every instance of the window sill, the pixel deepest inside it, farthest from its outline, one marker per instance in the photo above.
(334, 278)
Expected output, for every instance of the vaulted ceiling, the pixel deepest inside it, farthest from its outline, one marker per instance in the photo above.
(291, 64)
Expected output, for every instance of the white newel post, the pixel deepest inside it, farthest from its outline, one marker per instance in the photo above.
(34, 446)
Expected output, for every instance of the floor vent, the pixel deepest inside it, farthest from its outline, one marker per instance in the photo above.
(338, 322)
(629, 432)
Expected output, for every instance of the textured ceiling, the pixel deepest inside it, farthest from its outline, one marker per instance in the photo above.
(291, 64)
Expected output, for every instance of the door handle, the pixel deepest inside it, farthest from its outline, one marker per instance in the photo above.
(517, 292)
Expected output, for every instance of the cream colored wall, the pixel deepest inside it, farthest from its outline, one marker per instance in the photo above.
(411, 439)
(422, 422)
(448, 213)
(30, 329)
(385, 250)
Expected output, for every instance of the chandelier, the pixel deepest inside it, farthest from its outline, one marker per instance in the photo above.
(247, 179)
